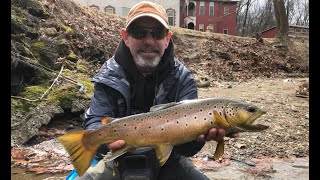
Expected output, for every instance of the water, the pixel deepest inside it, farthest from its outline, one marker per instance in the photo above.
(21, 174)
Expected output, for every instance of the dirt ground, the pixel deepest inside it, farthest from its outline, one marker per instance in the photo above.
(280, 152)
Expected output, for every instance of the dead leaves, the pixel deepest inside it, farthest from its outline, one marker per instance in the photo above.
(205, 161)
(43, 154)
(38, 161)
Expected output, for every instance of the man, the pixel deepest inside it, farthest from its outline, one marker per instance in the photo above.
(143, 72)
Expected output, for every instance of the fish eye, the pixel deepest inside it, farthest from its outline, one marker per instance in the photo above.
(251, 109)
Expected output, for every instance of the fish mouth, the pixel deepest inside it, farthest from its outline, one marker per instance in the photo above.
(255, 116)
(249, 126)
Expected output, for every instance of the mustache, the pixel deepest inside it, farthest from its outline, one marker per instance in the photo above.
(148, 48)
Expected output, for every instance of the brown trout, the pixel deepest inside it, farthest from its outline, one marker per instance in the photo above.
(164, 126)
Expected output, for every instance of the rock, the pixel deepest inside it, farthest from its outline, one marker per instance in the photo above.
(23, 128)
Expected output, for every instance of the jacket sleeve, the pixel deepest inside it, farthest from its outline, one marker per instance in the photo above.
(102, 105)
(187, 89)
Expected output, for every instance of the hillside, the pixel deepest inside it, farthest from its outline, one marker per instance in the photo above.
(58, 46)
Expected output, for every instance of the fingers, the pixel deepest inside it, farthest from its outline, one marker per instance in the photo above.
(116, 145)
(216, 134)
(200, 137)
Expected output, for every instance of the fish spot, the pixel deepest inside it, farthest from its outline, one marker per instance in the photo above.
(141, 134)
(177, 122)
(149, 127)
(125, 124)
(214, 106)
(210, 113)
(162, 129)
(200, 110)
(167, 121)
(204, 118)
(114, 130)
(220, 113)
(211, 122)
(186, 124)
(99, 134)
(185, 115)
(176, 112)
(195, 117)
(127, 135)
(135, 127)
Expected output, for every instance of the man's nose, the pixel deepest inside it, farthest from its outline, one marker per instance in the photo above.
(149, 38)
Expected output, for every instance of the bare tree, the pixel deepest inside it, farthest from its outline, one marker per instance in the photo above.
(245, 17)
(282, 24)
(255, 16)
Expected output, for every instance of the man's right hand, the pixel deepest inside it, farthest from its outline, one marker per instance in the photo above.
(116, 145)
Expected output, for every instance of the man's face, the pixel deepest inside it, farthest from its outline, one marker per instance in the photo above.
(147, 40)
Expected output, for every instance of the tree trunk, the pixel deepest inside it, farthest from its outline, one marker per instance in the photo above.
(281, 20)
(245, 18)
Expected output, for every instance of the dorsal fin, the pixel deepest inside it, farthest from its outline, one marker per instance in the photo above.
(163, 106)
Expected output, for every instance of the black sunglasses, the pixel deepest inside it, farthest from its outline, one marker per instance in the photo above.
(141, 32)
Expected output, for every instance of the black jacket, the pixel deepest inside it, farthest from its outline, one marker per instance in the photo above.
(120, 90)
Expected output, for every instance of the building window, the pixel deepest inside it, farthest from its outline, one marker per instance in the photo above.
(109, 9)
(171, 14)
(225, 10)
(94, 7)
(201, 27)
(298, 30)
(211, 9)
(225, 31)
(125, 11)
(201, 11)
(191, 9)
(211, 27)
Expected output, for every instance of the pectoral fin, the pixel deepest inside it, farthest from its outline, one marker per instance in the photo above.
(106, 120)
(254, 127)
(114, 154)
(163, 152)
(219, 122)
(219, 150)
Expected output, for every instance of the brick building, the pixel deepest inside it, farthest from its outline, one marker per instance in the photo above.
(215, 15)
(295, 31)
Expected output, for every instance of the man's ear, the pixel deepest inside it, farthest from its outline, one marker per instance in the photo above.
(124, 34)
(168, 37)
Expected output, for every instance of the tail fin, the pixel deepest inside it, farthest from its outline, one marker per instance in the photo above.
(80, 156)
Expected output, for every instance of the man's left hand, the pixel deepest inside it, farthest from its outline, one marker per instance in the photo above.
(216, 135)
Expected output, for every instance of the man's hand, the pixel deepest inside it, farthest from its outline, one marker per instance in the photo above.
(216, 134)
(116, 145)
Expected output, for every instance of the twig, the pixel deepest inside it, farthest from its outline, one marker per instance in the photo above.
(31, 100)
(302, 96)
(45, 93)
(244, 162)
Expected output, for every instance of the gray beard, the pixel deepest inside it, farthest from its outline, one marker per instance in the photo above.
(146, 65)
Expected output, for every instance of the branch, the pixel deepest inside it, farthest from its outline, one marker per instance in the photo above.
(45, 93)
